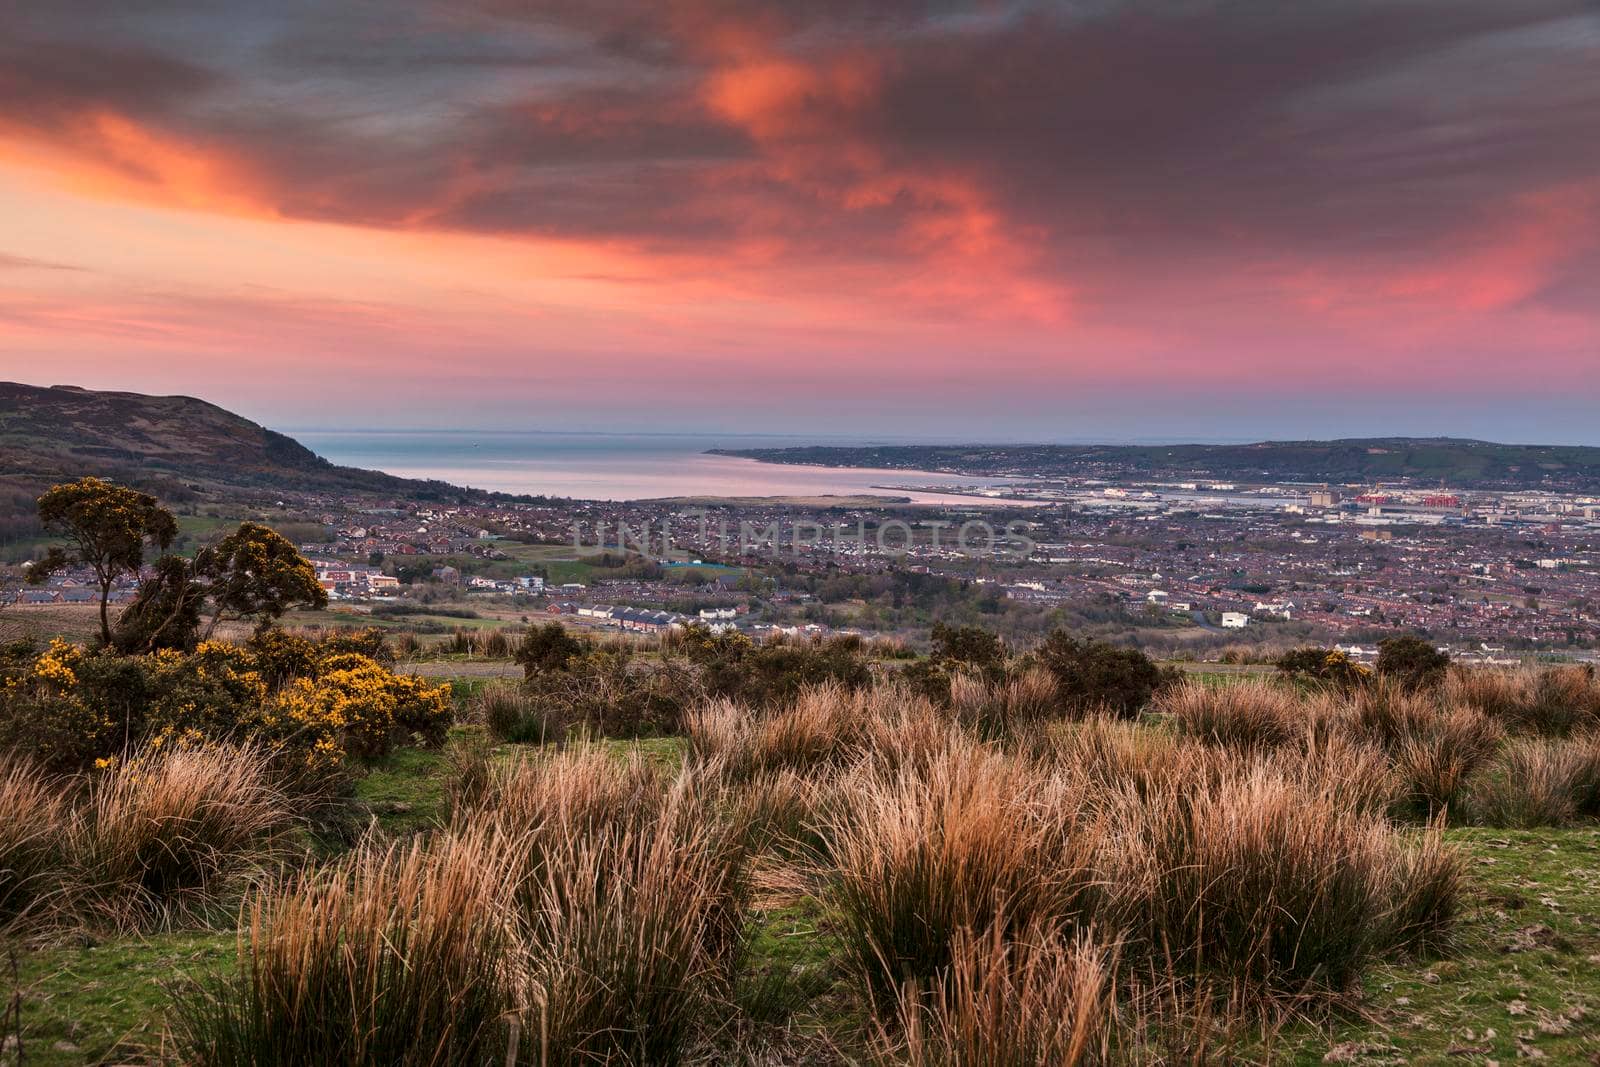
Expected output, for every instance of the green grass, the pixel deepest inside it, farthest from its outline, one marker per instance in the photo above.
(1524, 973)
(100, 1003)
(405, 790)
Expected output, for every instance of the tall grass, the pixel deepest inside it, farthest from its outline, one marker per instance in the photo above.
(1552, 700)
(1543, 782)
(1041, 997)
(509, 712)
(630, 937)
(915, 856)
(1439, 757)
(1247, 714)
(1253, 879)
(997, 709)
(33, 835)
(826, 725)
(580, 792)
(160, 837)
(396, 955)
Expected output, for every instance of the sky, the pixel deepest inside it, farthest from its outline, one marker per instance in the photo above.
(1107, 219)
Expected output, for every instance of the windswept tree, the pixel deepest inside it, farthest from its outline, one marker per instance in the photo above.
(107, 528)
(256, 573)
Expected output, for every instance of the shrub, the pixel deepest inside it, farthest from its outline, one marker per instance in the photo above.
(1041, 998)
(1328, 666)
(281, 656)
(368, 642)
(396, 955)
(548, 648)
(163, 835)
(1411, 662)
(1093, 674)
(768, 675)
(356, 707)
(1250, 714)
(66, 707)
(607, 693)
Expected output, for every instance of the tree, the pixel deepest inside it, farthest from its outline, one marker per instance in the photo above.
(165, 614)
(106, 527)
(256, 573)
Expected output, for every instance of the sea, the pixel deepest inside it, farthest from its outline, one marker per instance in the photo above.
(597, 466)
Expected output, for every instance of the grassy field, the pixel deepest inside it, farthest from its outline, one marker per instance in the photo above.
(1521, 980)
(1517, 977)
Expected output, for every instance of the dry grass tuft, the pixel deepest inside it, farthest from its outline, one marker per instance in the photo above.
(396, 955)
(33, 834)
(1001, 709)
(1542, 782)
(1245, 715)
(1253, 879)
(1041, 998)
(974, 840)
(161, 837)
(1551, 700)
(629, 937)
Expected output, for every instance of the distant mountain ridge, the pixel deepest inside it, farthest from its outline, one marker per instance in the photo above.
(1457, 462)
(50, 434)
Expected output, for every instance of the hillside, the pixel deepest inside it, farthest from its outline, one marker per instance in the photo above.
(1429, 461)
(167, 444)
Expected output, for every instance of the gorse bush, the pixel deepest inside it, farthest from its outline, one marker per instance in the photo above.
(1093, 674)
(1410, 662)
(314, 705)
(1325, 666)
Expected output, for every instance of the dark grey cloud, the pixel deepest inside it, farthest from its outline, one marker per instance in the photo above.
(1100, 133)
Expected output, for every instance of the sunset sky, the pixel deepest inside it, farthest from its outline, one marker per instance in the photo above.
(1114, 220)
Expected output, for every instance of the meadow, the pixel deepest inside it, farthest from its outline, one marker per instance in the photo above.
(803, 855)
